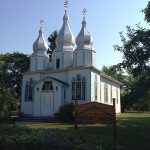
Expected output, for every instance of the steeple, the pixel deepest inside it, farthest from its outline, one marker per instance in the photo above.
(63, 53)
(39, 58)
(65, 38)
(40, 44)
(84, 55)
(84, 39)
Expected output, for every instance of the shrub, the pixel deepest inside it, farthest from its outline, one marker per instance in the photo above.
(65, 113)
(5, 106)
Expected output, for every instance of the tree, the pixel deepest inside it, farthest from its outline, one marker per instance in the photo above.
(11, 68)
(136, 51)
(147, 12)
(135, 48)
(52, 41)
(5, 106)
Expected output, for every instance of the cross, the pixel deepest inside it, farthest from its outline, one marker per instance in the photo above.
(41, 22)
(66, 4)
(84, 12)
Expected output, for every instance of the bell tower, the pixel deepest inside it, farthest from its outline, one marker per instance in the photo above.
(84, 54)
(39, 58)
(63, 53)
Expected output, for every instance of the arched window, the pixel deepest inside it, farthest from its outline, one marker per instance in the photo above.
(111, 94)
(78, 88)
(57, 63)
(47, 86)
(95, 87)
(106, 93)
(28, 90)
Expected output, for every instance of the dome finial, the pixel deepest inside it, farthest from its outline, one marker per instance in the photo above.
(84, 14)
(41, 23)
(66, 18)
(66, 5)
(84, 39)
(65, 37)
(40, 44)
(41, 26)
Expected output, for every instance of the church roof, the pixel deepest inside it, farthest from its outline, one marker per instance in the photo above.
(48, 77)
(40, 43)
(65, 36)
(74, 68)
(84, 39)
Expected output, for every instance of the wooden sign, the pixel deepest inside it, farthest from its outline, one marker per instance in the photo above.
(95, 112)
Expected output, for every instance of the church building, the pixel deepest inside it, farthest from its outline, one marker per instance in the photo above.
(70, 74)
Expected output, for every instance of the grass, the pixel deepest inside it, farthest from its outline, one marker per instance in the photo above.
(133, 131)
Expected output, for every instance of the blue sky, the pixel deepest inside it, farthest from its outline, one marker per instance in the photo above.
(19, 23)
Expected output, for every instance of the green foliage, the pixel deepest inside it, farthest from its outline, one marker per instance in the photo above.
(11, 68)
(65, 113)
(135, 48)
(5, 106)
(147, 12)
(52, 41)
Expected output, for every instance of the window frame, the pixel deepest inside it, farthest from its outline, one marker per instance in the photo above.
(78, 88)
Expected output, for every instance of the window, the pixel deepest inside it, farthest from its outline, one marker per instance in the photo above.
(64, 93)
(111, 93)
(50, 57)
(116, 94)
(95, 87)
(47, 86)
(105, 93)
(78, 88)
(28, 90)
(100, 90)
(57, 63)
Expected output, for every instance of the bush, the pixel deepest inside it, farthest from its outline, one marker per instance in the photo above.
(5, 106)
(66, 113)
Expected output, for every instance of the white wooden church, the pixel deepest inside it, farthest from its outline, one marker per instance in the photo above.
(70, 74)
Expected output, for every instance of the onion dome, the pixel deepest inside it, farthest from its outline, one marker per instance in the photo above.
(65, 36)
(40, 44)
(84, 39)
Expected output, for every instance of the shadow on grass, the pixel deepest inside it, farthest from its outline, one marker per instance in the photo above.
(133, 133)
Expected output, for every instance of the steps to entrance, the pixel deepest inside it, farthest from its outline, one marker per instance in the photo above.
(39, 119)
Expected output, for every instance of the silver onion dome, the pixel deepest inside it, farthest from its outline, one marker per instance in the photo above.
(65, 36)
(40, 43)
(84, 38)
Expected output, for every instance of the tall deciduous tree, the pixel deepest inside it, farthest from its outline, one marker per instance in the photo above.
(11, 68)
(135, 48)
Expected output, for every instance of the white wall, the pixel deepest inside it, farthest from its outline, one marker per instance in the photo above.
(66, 59)
(93, 87)
(84, 73)
(115, 86)
(84, 58)
(39, 62)
(55, 102)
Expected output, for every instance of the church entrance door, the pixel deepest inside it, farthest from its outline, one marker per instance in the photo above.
(47, 103)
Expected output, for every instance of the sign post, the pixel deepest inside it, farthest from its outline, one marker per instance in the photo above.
(76, 114)
(114, 120)
(94, 112)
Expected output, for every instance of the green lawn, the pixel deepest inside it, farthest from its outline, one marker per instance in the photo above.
(133, 130)
(133, 133)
